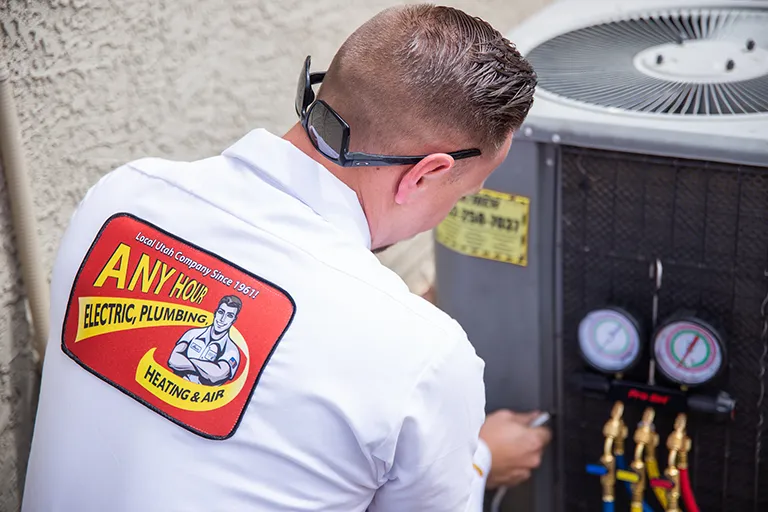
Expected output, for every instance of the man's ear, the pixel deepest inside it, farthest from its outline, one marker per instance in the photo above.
(431, 170)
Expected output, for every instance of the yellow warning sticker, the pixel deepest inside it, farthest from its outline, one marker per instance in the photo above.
(491, 225)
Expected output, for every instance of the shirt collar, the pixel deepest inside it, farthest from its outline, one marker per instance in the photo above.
(305, 179)
(207, 337)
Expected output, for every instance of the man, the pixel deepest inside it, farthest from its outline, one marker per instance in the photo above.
(208, 355)
(353, 393)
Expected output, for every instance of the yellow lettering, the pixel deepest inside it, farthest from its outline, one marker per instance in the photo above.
(165, 275)
(189, 289)
(116, 267)
(142, 270)
(178, 288)
(200, 294)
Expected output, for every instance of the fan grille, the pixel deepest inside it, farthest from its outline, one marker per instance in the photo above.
(699, 62)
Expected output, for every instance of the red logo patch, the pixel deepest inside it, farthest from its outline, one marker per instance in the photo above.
(175, 327)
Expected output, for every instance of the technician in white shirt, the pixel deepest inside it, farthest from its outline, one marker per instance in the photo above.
(350, 393)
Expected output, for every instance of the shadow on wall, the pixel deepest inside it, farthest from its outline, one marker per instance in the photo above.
(19, 386)
(19, 375)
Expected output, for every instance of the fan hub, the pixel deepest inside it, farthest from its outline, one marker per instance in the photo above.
(703, 61)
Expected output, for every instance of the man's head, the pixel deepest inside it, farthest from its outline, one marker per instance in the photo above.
(428, 80)
(226, 313)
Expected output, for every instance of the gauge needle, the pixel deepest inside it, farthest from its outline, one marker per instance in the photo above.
(688, 351)
(610, 338)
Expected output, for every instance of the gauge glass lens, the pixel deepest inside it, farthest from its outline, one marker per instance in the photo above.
(688, 353)
(609, 340)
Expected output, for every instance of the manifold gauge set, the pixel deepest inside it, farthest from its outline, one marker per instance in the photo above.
(687, 350)
(688, 353)
(675, 367)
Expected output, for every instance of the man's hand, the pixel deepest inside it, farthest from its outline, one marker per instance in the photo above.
(515, 447)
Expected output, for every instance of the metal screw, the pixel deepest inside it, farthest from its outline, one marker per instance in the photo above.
(659, 59)
(730, 65)
(750, 45)
(556, 139)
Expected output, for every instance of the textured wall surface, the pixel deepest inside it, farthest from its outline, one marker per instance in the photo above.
(101, 82)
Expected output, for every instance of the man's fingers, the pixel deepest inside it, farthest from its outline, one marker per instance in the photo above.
(518, 476)
(510, 478)
(525, 418)
(535, 461)
(538, 439)
(500, 415)
(544, 434)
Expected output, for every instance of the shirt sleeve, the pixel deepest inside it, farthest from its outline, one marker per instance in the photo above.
(483, 466)
(434, 466)
(231, 356)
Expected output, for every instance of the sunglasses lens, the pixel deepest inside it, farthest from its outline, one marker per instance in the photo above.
(326, 131)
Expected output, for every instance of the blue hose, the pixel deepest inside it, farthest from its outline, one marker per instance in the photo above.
(622, 464)
(607, 506)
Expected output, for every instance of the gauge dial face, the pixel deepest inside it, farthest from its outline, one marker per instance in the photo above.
(609, 340)
(688, 353)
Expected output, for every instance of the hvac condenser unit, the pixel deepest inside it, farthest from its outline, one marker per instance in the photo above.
(635, 196)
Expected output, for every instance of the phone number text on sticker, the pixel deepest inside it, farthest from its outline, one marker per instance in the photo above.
(491, 225)
(173, 326)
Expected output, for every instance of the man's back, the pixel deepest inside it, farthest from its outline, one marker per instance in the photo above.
(342, 382)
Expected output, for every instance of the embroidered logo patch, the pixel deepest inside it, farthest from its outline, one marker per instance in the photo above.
(175, 327)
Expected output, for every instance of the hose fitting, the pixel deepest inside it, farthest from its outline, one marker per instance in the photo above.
(643, 437)
(612, 430)
(676, 443)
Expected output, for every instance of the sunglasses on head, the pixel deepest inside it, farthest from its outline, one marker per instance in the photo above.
(329, 133)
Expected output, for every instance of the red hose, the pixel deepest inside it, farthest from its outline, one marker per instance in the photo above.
(687, 492)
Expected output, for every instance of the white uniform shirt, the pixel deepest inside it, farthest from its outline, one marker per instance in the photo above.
(369, 397)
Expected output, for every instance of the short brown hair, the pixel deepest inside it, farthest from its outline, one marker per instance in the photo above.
(425, 72)
(231, 301)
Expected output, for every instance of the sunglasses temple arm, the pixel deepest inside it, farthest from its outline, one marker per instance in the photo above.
(316, 78)
(368, 160)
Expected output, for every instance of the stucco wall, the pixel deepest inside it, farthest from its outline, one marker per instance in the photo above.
(100, 82)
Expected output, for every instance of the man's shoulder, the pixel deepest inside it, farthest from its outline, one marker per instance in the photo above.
(135, 173)
(163, 167)
(430, 317)
(436, 333)
(400, 314)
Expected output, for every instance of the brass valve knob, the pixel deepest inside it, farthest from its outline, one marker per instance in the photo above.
(682, 457)
(612, 427)
(614, 431)
(645, 431)
(676, 439)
